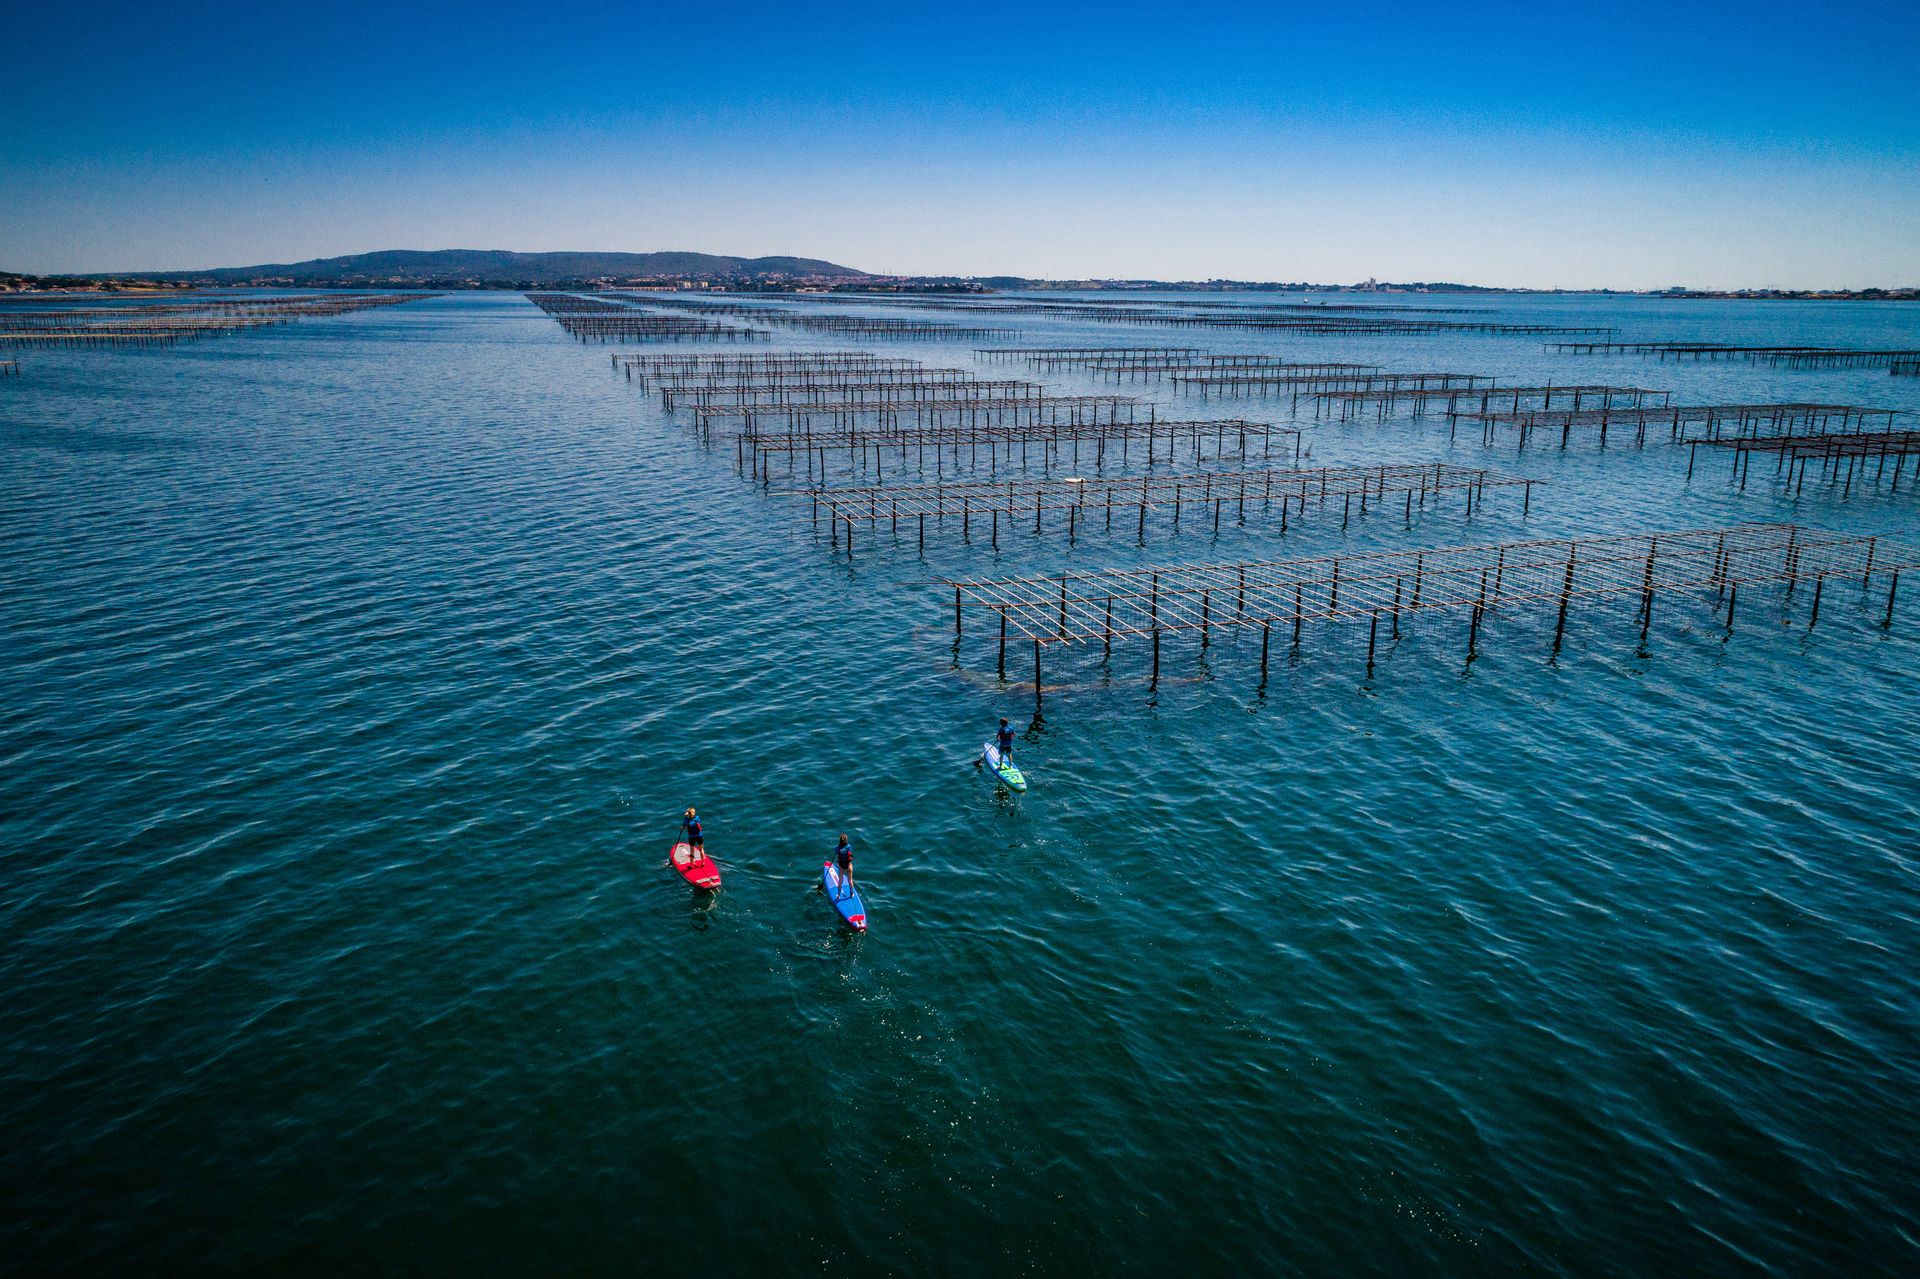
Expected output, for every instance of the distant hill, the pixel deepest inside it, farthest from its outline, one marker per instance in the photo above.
(500, 268)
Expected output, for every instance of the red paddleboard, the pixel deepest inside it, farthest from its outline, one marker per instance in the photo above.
(696, 868)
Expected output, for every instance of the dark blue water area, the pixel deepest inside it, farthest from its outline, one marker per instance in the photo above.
(356, 673)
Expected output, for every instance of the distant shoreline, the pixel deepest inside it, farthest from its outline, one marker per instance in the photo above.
(20, 284)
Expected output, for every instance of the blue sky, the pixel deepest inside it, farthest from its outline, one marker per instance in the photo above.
(1625, 145)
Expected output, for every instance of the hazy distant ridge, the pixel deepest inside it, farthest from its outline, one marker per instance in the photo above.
(501, 266)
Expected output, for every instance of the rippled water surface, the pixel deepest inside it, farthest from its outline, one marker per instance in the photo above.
(356, 672)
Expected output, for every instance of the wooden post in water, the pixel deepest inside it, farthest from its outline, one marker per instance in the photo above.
(1646, 596)
(1560, 627)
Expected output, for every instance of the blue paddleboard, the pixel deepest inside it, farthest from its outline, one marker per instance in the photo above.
(844, 896)
(1003, 770)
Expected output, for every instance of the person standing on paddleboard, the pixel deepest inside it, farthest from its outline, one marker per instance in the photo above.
(696, 839)
(1006, 740)
(843, 857)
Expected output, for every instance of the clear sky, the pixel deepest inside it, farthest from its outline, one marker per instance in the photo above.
(1604, 144)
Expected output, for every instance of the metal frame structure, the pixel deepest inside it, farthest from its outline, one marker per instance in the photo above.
(1098, 607)
(1080, 498)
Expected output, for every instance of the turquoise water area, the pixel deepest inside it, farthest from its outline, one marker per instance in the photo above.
(356, 673)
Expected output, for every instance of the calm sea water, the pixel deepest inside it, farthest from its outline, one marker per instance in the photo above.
(356, 673)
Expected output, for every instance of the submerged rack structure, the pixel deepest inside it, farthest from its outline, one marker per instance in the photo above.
(9, 368)
(1058, 357)
(1294, 384)
(1905, 366)
(14, 314)
(1156, 370)
(692, 383)
(1684, 422)
(1082, 499)
(1222, 367)
(856, 326)
(862, 327)
(1355, 308)
(671, 369)
(572, 304)
(1347, 404)
(598, 320)
(1153, 363)
(1099, 607)
(1789, 357)
(1283, 375)
(1306, 321)
(1077, 309)
(1057, 443)
(1758, 421)
(802, 393)
(148, 324)
(1794, 454)
(1087, 410)
(646, 328)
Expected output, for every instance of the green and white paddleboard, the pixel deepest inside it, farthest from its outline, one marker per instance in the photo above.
(1003, 769)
